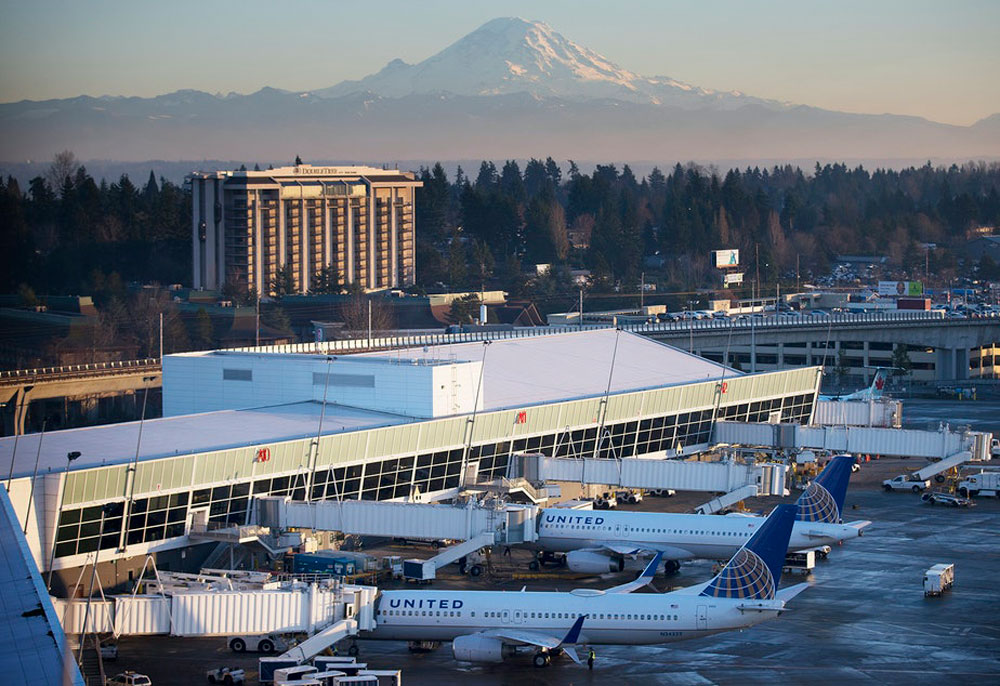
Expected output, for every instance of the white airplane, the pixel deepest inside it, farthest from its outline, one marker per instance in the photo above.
(596, 543)
(489, 626)
(873, 392)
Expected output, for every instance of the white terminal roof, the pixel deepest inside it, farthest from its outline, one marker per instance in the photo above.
(33, 639)
(565, 366)
(183, 435)
(518, 372)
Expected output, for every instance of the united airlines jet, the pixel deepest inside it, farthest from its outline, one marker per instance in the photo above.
(600, 542)
(489, 626)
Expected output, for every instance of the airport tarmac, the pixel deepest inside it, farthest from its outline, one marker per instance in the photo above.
(865, 619)
(979, 415)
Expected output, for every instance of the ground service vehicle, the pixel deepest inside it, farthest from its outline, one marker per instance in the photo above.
(605, 501)
(983, 483)
(129, 679)
(936, 498)
(938, 579)
(266, 643)
(227, 676)
(904, 482)
(630, 497)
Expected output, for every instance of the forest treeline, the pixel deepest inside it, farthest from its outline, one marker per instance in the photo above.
(476, 230)
(68, 233)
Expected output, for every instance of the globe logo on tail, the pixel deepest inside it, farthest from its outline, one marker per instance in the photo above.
(745, 577)
(816, 504)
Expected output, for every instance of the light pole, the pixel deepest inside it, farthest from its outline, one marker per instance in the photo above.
(690, 305)
(133, 470)
(310, 476)
(34, 474)
(62, 501)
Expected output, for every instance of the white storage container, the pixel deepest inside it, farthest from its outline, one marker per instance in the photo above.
(938, 579)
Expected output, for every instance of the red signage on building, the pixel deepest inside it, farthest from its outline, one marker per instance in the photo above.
(522, 417)
(263, 454)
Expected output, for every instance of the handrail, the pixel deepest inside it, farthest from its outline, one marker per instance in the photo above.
(103, 368)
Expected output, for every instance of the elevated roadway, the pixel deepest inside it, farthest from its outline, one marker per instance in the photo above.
(19, 388)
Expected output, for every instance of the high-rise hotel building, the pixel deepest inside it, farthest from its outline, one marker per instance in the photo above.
(248, 225)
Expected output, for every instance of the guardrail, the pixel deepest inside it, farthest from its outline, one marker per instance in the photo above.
(68, 371)
(353, 345)
(697, 325)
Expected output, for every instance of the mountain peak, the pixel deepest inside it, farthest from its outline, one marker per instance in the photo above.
(513, 55)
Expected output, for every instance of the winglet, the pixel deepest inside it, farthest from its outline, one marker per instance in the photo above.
(574, 631)
(642, 580)
(650, 571)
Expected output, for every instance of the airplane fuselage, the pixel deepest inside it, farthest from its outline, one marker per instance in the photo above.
(612, 618)
(679, 536)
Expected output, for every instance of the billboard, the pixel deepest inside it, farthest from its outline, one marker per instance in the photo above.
(726, 258)
(903, 288)
(732, 277)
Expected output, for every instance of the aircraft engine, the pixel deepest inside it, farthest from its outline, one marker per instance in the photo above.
(586, 562)
(476, 648)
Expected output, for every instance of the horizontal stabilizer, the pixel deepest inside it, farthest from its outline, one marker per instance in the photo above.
(786, 594)
(860, 525)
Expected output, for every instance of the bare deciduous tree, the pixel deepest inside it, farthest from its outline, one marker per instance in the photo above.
(63, 164)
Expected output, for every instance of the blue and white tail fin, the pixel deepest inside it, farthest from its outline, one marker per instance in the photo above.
(823, 500)
(754, 571)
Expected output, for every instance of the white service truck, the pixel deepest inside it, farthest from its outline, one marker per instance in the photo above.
(906, 482)
(983, 483)
(939, 579)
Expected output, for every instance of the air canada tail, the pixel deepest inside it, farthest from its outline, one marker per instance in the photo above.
(878, 383)
(823, 500)
(754, 571)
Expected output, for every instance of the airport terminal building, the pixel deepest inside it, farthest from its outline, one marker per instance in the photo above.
(415, 424)
(248, 225)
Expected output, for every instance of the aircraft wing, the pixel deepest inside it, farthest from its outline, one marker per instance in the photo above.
(621, 549)
(536, 638)
(524, 637)
(642, 580)
(860, 525)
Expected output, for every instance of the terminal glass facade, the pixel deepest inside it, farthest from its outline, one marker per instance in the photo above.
(166, 516)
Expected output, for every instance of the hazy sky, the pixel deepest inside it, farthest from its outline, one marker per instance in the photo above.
(932, 58)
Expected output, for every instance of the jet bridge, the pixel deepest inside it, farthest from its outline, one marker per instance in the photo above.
(476, 524)
(714, 477)
(856, 440)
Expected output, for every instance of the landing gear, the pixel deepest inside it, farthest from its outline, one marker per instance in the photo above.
(423, 646)
(671, 566)
(541, 660)
(352, 649)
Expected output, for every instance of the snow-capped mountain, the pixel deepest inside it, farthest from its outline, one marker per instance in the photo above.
(510, 89)
(512, 55)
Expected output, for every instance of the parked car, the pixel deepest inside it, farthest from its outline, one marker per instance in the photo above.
(664, 492)
(227, 676)
(109, 652)
(129, 679)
